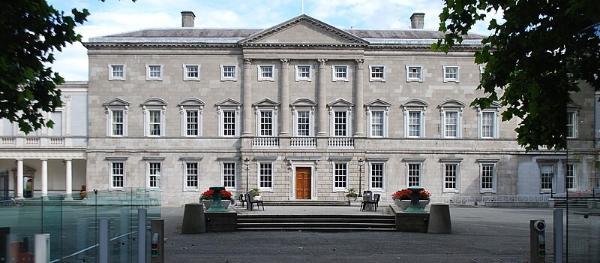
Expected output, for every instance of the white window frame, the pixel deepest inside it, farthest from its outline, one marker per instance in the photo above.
(371, 78)
(421, 169)
(446, 79)
(370, 111)
(258, 174)
(444, 125)
(348, 121)
(186, 176)
(149, 77)
(494, 177)
(148, 174)
(260, 73)
(185, 72)
(552, 178)
(333, 181)
(574, 169)
(421, 73)
(109, 120)
(407, 124)
(274, 121)
(298, 75)
(456, 188)
(111, 75)
(162, 123)
(573, 127)
(311, 121)
(221, 111)
(383, 176)
(184, 120)
(111, 175)
(235, 72)
(235, 175)
(495, 123)
(334, 76)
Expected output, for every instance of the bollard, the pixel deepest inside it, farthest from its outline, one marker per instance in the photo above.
(103, 241)
(439, 219)
(157, 253)
(142, 235)
(193, 219)
(4, 232)
(558, 235)
(42, 248)
(537, 241)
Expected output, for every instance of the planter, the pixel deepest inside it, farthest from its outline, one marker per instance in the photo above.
(208, 203)
(403, 204)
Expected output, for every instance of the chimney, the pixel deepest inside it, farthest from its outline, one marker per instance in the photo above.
(417, 20)
(187, 19)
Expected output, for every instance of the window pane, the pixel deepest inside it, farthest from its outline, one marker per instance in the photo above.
(570, 180)
(155, 71)
(304, 72)
(341, 72)
(117, 122)
(451, 122)
(192, 122)
(451, 73)
(266, 123)
(229, 123)
(117, 175)
(266, 175)
(303, 123)
(487, 124)
(266, 71)
(117, 71)
(487, 176)
(377, 123)
(228, 71)
(377, 175)
(450, 176)
(155, 116)
(229, 175)
(547, 173)
(377, 72)
(414, 123)
(340, 175)
(414, 174)
(192, 71)
(571, 126)
(154, 174)
(414, 72)
(191, 175)
(340, 123)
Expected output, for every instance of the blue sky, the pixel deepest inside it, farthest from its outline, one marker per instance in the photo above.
(113, 16)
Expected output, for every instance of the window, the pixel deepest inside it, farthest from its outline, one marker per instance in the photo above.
(414, 73)
(191, 72)
(340, 124)
(450, 176)
(266, 123)
(415, 123)
(377, 124)
(117, 123)
(547, 173)
(450, 124)
(117, 175)
(154, 175)
(572, 124)
(154, 72)
(266, 73)
(302, 72)
(303, 123)
(570, 178)
(116, 72)
(340, 176)
(229, 175)
(57, 118)
(228, 72)
(340, 73)
(487, 177)
(377, 73)
(154, 123)
(265, 176)
(450, 73)
(229, 128)
(488, 124)
(414, 174)
(377, 171)
(192, 123)
(191, 175)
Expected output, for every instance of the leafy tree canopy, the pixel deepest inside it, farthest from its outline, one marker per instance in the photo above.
(31, 31)
(534, 58)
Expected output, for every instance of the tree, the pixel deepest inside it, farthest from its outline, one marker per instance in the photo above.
(533, 59)
(31, 31)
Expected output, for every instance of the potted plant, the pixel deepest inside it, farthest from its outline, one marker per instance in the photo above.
(402, 198)
(351, 195)
(207, 198)
(255, 193)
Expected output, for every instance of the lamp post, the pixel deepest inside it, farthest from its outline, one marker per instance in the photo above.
(247, 164)
(361, 162)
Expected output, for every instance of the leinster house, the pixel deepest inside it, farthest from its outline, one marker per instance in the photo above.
(302, 110)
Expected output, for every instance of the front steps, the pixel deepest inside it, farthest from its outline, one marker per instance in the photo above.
(320, 223)
(306, 203)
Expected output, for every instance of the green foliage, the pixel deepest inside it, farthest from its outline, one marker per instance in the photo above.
(533, 60)
(31, 31)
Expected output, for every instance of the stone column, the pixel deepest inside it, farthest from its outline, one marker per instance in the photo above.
(68, 177)
(359, 110)
(322, 98)
(19, 178)
(284, 99)
(44, 177)
(247, 99)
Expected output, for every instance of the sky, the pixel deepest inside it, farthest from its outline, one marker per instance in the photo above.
(118, 16)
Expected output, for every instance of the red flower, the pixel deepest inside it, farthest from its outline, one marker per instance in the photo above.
(404, 194)
(208, 195)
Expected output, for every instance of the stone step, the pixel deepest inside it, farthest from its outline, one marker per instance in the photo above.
(367, 216)
(250, 222)
(316, 224)
(306, 203)
(316, 220)
(314, 229)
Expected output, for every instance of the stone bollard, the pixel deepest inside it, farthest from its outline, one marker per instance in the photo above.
(439, 219)
(193, 219)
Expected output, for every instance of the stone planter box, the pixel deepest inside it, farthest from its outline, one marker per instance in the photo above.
(208, 203)
(403, 204)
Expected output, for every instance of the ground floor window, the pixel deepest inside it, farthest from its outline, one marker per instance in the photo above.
(340, 176)
(450, 176)
(414, 174)
(229, 175)
(377, 172)
(570, 180)
(117, 175)
(154, 175)
(547, 173)
(265, 176)
(191, 175)
(487, 176)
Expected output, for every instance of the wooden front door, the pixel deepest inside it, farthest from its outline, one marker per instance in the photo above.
(302, 182)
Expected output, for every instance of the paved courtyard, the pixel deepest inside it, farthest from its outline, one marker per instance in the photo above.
(479, 235)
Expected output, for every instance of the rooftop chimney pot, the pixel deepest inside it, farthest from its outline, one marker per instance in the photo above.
(417, 20)
(187, 19)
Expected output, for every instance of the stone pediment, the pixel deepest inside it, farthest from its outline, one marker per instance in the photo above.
(415, 103)
(340, 103)
(452, 104)
(378, 103)
(154, 102)
(191, 102)
(116, 102)
(266, 103)
(228, 103)
(303, 30)
(303, 103)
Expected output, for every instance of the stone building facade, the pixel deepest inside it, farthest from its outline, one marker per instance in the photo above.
(305, 110)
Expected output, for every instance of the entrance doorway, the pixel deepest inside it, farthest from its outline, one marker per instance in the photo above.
(303, 183)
